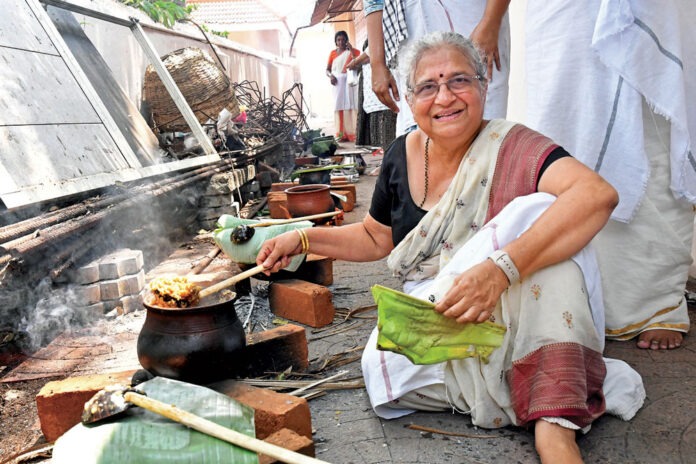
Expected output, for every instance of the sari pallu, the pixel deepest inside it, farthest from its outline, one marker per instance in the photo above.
(550, 363)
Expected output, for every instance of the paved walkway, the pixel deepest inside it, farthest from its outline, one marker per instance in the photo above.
(348, 431)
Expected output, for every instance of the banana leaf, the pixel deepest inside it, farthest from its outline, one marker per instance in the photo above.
(140, 436)
(328, 167)
(245, 253)
(411, 327)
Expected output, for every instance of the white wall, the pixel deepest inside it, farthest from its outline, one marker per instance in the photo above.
(312, 48)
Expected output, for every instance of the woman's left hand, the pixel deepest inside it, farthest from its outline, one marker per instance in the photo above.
(474, 293)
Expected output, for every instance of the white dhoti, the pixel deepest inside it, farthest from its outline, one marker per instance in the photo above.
(612, 82)
(646, 262)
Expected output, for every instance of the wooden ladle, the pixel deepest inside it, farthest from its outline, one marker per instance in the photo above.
(231, 281)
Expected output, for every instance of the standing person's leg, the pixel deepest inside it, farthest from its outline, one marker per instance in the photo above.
(349, 120)
(363, 134)
(338, 123)
(645, 264)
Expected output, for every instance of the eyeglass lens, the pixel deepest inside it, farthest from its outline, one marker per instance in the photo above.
(457, 84)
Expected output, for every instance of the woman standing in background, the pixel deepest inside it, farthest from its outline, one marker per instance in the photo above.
(345, 96)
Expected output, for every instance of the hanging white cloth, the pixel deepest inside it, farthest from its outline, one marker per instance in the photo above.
(590, 64)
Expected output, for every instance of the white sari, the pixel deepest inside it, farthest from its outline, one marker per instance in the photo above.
(553, 317)
(345, 96)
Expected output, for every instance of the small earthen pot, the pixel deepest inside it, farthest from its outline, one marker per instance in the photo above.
(199, 345)
(304, 200)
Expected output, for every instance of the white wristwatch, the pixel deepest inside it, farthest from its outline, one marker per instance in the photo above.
(501, 259)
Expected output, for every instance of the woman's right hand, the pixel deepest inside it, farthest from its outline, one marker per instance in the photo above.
(384, 85)
(275, 253)
(333, 79)
(474, 293)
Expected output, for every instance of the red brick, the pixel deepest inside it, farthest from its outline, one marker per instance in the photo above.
(281, 186)
(302, 302)
(347, 205)
(352, 192)
(273, 411)
(316, 269)
(275, 350)
(288, 440)
(60, 403)
(278, 205)
(304, 160)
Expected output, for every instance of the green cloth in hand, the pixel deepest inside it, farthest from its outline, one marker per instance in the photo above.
(411, 327)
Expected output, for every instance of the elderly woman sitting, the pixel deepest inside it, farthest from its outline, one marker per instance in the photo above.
(440, 188)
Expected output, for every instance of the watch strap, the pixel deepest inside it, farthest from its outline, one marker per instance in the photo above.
(501, 259)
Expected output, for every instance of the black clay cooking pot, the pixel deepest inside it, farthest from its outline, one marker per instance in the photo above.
(199, 345)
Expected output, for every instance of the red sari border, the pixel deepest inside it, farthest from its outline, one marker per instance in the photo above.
(558, 380)
(521, 155)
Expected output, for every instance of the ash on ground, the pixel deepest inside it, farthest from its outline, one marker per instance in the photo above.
(254, 311)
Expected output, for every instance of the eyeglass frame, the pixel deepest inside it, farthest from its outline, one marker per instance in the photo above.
(411, 90)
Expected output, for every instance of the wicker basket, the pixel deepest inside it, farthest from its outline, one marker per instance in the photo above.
(203, 84)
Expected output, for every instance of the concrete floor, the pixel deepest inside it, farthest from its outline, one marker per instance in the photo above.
(348, 431)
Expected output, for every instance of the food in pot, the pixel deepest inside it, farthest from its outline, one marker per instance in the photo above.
(173, 292)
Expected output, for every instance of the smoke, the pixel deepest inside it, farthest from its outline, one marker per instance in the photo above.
(52, 315)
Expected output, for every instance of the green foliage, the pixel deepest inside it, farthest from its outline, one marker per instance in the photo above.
(218, 33)
(166, 12)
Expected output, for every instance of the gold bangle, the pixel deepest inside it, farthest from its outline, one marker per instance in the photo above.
(305, 247)
(304, 240)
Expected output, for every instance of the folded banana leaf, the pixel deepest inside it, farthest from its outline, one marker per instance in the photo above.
(329, 167)
(245, 253)
(411, 327)
(143, 437)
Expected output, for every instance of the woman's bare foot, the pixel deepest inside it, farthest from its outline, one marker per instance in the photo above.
(660, 339)
(556, 444)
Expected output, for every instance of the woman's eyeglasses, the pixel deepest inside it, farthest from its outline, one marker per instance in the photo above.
(458, 84)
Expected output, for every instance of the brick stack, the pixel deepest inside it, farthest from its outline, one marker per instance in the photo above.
(221, 193)
(114, 281)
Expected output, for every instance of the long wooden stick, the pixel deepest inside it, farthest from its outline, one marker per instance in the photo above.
(218, 431)
(297, 219)
(231, 281)
(202, 264)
